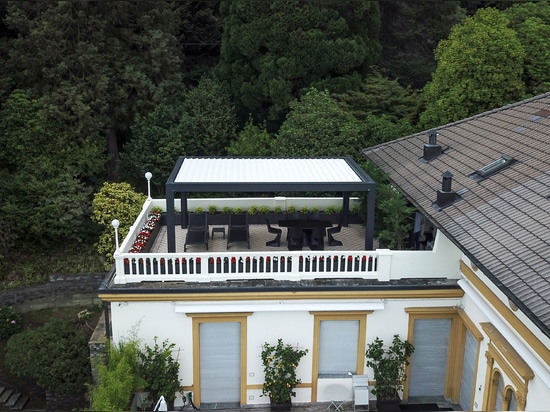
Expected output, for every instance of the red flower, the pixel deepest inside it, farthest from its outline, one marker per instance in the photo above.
(350, 258)
(198, 261)
(233, 259)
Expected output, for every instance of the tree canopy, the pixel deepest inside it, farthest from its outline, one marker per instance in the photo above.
(272, 50)
(480, 67)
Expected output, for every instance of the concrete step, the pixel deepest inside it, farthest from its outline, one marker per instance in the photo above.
(20, 404)
(12, 400)
(6, 393)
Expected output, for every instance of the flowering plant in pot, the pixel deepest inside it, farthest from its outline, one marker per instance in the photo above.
(280, 362)
(389, 366)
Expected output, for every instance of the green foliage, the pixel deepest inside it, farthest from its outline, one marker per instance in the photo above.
(388, 365)
(212, 210)
(280, 362)
(317, 126)
(392, 222)
(409, 33)
(41, 168)
(160, 370)
(253, 140)
(272, 50)
(531, 21)
(396, 218)
(94, 94)
(55, 356)
(227, 210)
(115, 201)
(10, 322)
(202, 122)
(480, 67)
(264, 210)
(278, 209)
(118, 378)
(380, 96)
(253, 210)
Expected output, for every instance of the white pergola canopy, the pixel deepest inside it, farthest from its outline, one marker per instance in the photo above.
(260, 174)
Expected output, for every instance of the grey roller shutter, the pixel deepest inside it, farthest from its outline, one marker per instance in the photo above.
(467, 381)
(429, 360)
(220, 362)
(338, 340)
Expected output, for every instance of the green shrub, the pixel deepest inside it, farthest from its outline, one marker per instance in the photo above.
(118, 378)
(227, 210)
(238, 210)
(264, 210)
(252, 210)
(199, 210)
(10, 322)
(278, 209)
(160, 370)
(55, 355)
(330, 210)
(304, 209)
(212, 209)
(291, 209)
(115, 201)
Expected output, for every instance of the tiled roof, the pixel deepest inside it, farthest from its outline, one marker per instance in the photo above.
(502, 222)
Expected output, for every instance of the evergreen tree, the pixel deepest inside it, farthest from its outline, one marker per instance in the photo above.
(42, 167)
(272, 50)
(96, 63)
(317, 126)
(409, 34)
(480, 67)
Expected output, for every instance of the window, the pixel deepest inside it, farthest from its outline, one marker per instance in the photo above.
(338, 343)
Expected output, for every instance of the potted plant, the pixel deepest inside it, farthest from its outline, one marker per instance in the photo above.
(280, 362)
(388, 365)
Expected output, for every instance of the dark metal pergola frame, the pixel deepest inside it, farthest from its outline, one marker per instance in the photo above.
(365, 184)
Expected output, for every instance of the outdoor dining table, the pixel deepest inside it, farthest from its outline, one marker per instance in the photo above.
(307, 226)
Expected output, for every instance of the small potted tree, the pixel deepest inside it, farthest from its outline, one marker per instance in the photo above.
(388, 365)
(280, 362)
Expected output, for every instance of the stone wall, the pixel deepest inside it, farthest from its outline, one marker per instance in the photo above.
(61, 291)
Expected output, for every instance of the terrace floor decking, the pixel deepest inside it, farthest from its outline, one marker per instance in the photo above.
(352, 237)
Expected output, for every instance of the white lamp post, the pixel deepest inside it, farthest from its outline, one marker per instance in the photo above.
(116, 224)
(148, 176)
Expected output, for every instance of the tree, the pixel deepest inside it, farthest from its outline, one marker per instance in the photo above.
(253, 140)
(379, 95)
(160, 370)
(202, 123)
(59, 357)
(272, 50)
(42, 167)
(118, 377)
(480, 67)
(96, 64)
(409, 33)
(317, 126)
(531, 21)
(115, 201)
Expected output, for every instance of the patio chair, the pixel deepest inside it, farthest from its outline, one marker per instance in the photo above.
(295, 238)
(317, 241)
(197, 231)
(333, 230)
(237, 230)
(277, 241)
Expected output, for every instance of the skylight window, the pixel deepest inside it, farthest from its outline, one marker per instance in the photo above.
(495, 166)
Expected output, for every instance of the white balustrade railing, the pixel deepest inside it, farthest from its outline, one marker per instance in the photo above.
(284, 265)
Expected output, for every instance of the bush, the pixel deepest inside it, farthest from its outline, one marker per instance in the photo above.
(115, 201)
(160, 371)
(118, 378)
(55, 355)
(10, 322)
